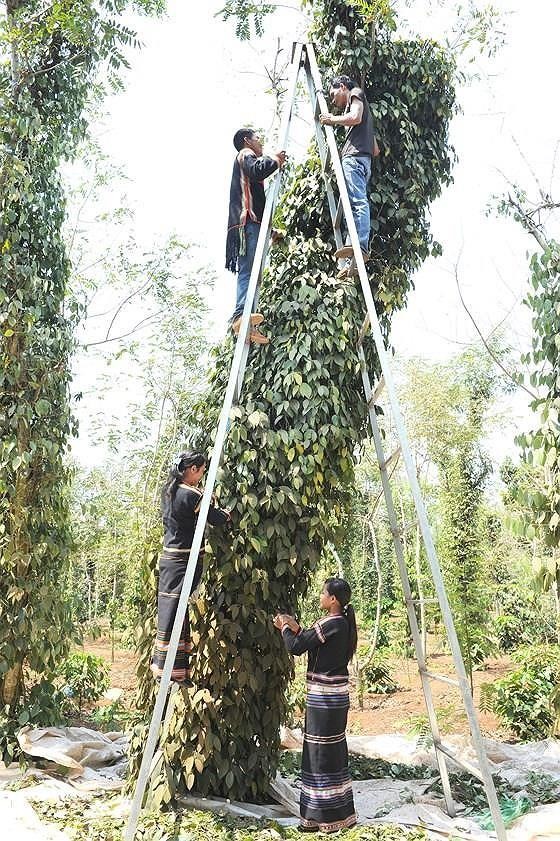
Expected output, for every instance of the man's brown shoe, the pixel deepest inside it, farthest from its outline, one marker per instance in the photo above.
(345, 251)
(348, 251)
(255, 319)
(258, 338)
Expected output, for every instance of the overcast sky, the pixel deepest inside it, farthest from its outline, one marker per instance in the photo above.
(193, 84)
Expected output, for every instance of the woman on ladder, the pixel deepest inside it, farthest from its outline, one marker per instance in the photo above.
(326, 800)
(180, 502)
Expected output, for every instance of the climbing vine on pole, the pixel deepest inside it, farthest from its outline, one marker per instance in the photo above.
(290, 453)
(541, 447)
(55, 51)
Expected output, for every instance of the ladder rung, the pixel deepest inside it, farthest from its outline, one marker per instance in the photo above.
(442, 678)
(388, 461)
(399, 531)
(363, 328)
(422, 601)
(377, 391)
(468, 766)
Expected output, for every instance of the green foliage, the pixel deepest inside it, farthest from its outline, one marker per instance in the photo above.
(246, 13)
(86, 824)
(295, 701)
(419, 725)
(55, 54)
(524, 699)
(42, 707)
(377, 676)
(542, 788)
(86, 677)
(541, 448)
(289, 456)
(361, 768)
(113, 716)
(523, 621)
(449, 408)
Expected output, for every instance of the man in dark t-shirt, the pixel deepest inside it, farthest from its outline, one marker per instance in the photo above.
(356, 155)
(246, 207)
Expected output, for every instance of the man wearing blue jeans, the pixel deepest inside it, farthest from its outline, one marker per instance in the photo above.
(356, 158)
(246, 206)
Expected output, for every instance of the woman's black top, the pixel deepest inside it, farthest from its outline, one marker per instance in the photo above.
(180, 514)
(326, 643)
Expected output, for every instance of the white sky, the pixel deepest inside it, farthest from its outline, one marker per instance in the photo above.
(193, 84)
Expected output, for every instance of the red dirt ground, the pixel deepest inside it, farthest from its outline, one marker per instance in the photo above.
(395, 713)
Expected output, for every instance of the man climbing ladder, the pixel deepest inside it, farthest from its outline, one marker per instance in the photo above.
(359, 148)
(246, 206)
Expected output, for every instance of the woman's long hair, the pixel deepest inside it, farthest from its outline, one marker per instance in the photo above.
(340, 589)
(175, 477)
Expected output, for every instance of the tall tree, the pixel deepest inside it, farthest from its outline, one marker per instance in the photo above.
(52, 54)
(449, 409)
(289, 455)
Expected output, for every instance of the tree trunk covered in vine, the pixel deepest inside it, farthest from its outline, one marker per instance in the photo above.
(290, 452)
(54, 52)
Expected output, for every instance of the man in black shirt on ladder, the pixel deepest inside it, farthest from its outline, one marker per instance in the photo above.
(246, 206)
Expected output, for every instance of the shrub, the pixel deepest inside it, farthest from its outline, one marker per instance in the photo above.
(114, 716)
(86, 677)
(524, 699)
(43, 706)
(378, 678)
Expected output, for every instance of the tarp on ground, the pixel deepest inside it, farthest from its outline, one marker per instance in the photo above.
(91, 760)
(95, 761)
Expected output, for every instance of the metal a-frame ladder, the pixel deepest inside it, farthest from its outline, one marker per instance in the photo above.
(330, 161)
(303, 58)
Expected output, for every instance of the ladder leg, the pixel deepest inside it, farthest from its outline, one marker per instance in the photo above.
(468, 702)
(401, 562)
(385, 364)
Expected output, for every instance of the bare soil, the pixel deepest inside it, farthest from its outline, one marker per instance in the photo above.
(402, 711)
(405, 710)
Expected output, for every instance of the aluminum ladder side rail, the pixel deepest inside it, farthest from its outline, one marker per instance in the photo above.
(263, 242)
(324, 155)
(233, 387)
(385, 364)
(405, 581)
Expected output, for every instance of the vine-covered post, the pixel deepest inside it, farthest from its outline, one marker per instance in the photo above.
(55, 53)
(289, 456)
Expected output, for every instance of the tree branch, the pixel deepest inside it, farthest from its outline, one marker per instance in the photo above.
(123, 303)
(139, 326)
(491, 353)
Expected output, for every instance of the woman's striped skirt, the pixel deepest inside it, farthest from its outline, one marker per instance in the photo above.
(326, 801)
(172, 568)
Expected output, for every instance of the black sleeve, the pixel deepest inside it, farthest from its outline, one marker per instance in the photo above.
(306, 639)
(216, 517)
(257, 169)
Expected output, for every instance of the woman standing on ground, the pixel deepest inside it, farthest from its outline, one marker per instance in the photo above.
(326, 801)
(180, 503)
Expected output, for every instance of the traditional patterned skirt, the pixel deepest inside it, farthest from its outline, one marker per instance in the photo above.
(172, 568)
(326, 801)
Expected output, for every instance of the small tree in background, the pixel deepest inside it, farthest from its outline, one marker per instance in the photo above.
(448, 407)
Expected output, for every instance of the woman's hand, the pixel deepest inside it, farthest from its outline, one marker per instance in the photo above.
(285, 619)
